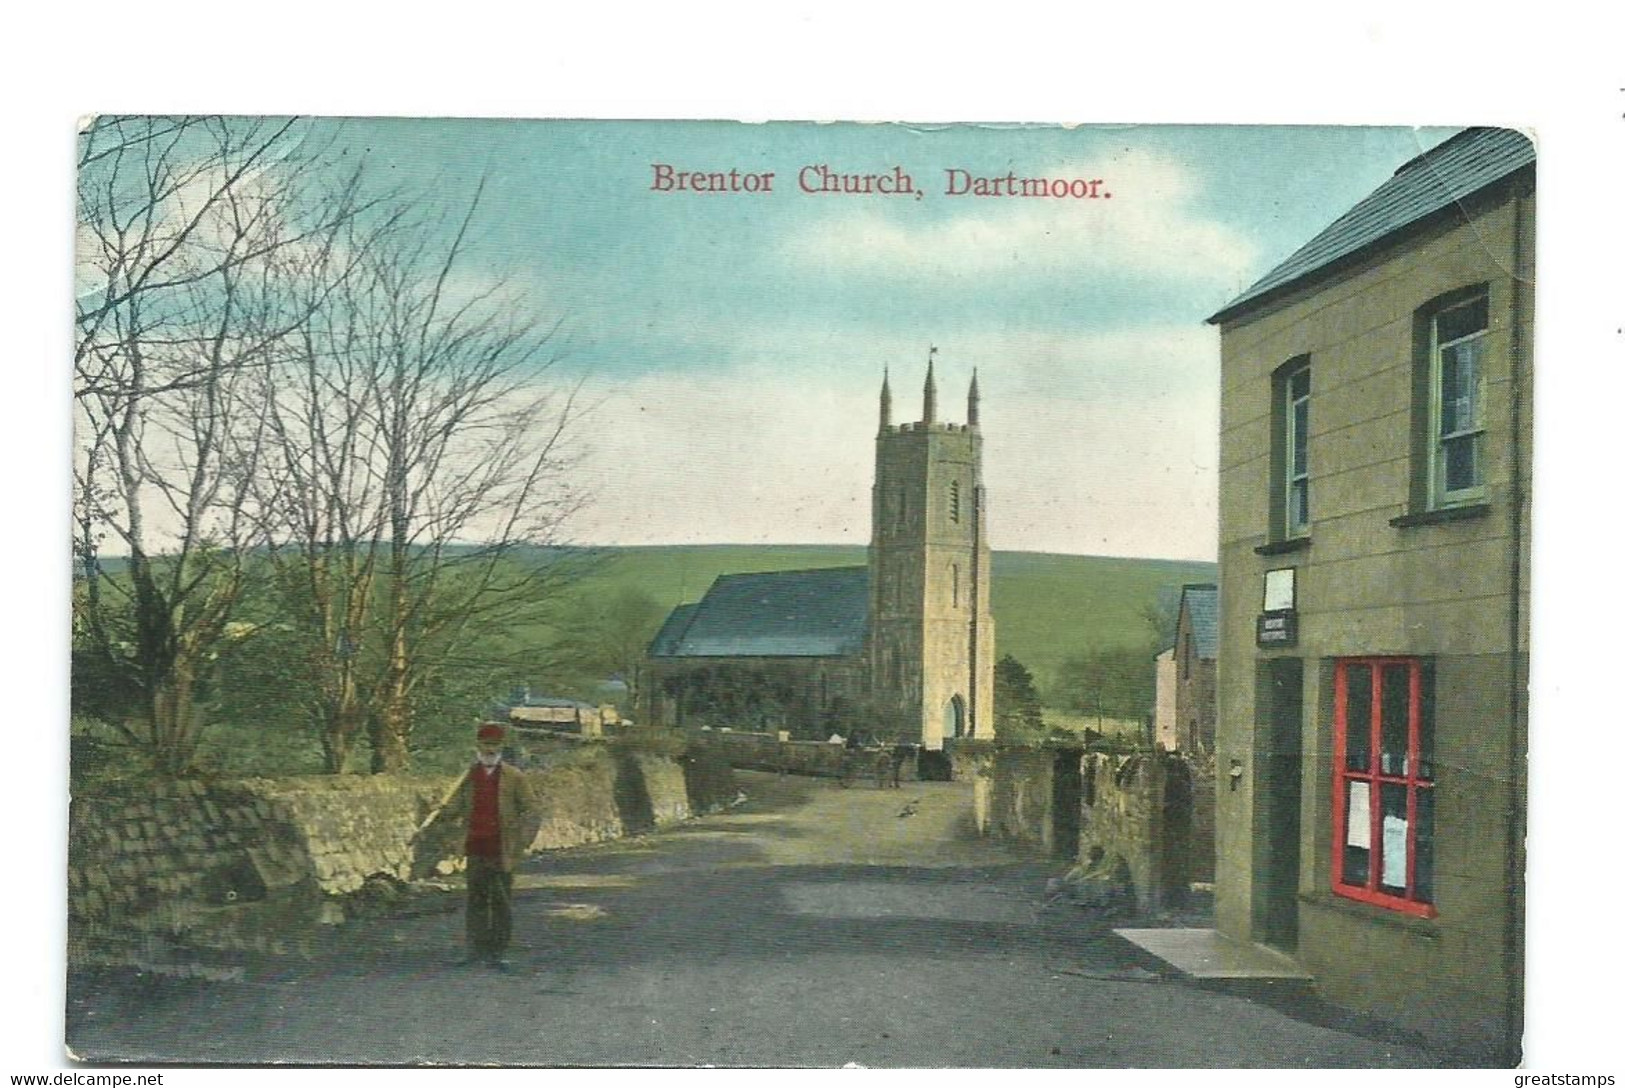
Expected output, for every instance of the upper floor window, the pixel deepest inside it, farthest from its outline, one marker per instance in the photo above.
(1295, 451)
(1289, 456)
(1456, 337)
(953, 502)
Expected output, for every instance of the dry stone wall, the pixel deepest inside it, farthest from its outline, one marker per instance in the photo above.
(1015, 803)
(255, 864)
(765, 752)
(1123, 819)
(1204, 784)
(1137, 820)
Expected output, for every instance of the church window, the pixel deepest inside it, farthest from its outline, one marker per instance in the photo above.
(956, 584)
(953, 501)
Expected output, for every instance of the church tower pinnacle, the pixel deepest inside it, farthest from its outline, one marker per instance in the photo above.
(930, 413)
(885, 400)
(973, 403)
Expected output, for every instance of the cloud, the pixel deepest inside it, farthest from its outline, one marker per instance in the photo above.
(739, 454)
(1147, 228)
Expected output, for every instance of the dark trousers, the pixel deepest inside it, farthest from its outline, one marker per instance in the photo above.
(490, 907)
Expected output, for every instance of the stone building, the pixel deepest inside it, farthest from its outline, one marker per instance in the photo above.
(1374, 537)
(1186, 698)
(900, 649)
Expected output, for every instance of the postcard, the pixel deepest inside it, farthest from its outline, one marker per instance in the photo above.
(652, 594)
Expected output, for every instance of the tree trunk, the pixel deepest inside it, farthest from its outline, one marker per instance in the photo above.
(391, 727)
(173, 712)
(345, 722)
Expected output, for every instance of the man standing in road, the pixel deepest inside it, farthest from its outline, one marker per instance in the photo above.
(497, 805)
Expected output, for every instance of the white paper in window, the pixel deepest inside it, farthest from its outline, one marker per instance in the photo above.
(1359, 831)
(1280, 589)
(1393, 851)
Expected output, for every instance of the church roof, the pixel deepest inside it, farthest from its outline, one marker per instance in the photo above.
(670, 634)
(791, 613)
(1434, 183)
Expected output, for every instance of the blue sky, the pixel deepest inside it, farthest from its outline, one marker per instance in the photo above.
(733, 343)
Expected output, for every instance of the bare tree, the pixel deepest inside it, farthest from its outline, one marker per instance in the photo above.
(177, 308)
(283, 374)
(418, 480)
(316, 501)
(475, 466)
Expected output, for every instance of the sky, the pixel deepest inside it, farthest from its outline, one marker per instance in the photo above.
(732, 344)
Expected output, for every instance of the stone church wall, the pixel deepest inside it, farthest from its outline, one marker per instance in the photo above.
(765, 752)
(828, 693)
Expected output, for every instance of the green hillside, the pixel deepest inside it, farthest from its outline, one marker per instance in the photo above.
(1045, 607)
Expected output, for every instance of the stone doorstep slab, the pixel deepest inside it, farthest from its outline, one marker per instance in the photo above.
(1205, 953)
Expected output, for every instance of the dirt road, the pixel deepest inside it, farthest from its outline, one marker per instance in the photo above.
(809, 926)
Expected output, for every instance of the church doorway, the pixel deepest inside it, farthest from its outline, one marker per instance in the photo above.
(953, 718)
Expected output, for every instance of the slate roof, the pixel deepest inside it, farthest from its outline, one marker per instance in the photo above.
(1429, 184)
(1202, 602)
(794, 613)
(664, 644)
(1168, 604)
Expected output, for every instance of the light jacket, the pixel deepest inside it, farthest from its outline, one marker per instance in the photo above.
(518, 810)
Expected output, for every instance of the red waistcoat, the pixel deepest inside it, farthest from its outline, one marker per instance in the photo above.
(484, 826)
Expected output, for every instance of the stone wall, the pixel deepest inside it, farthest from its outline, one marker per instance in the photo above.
(958, 761)
(765, 752)
(255, 864)
(1136, 814)
(809, 696)
(1123, 817)
(1016, 801)
(1204, 801)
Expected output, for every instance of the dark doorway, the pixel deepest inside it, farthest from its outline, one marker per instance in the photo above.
(1066, 802)
(1278, 799)
(1177, 800)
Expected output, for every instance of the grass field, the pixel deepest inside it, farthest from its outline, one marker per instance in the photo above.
(1045, 607)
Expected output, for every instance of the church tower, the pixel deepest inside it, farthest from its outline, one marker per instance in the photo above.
(930, 624)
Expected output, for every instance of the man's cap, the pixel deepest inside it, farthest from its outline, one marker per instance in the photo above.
(489, 731)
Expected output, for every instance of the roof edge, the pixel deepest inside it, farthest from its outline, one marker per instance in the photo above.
(1337, 266)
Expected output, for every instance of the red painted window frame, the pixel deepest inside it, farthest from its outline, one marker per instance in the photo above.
(1371, 892)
